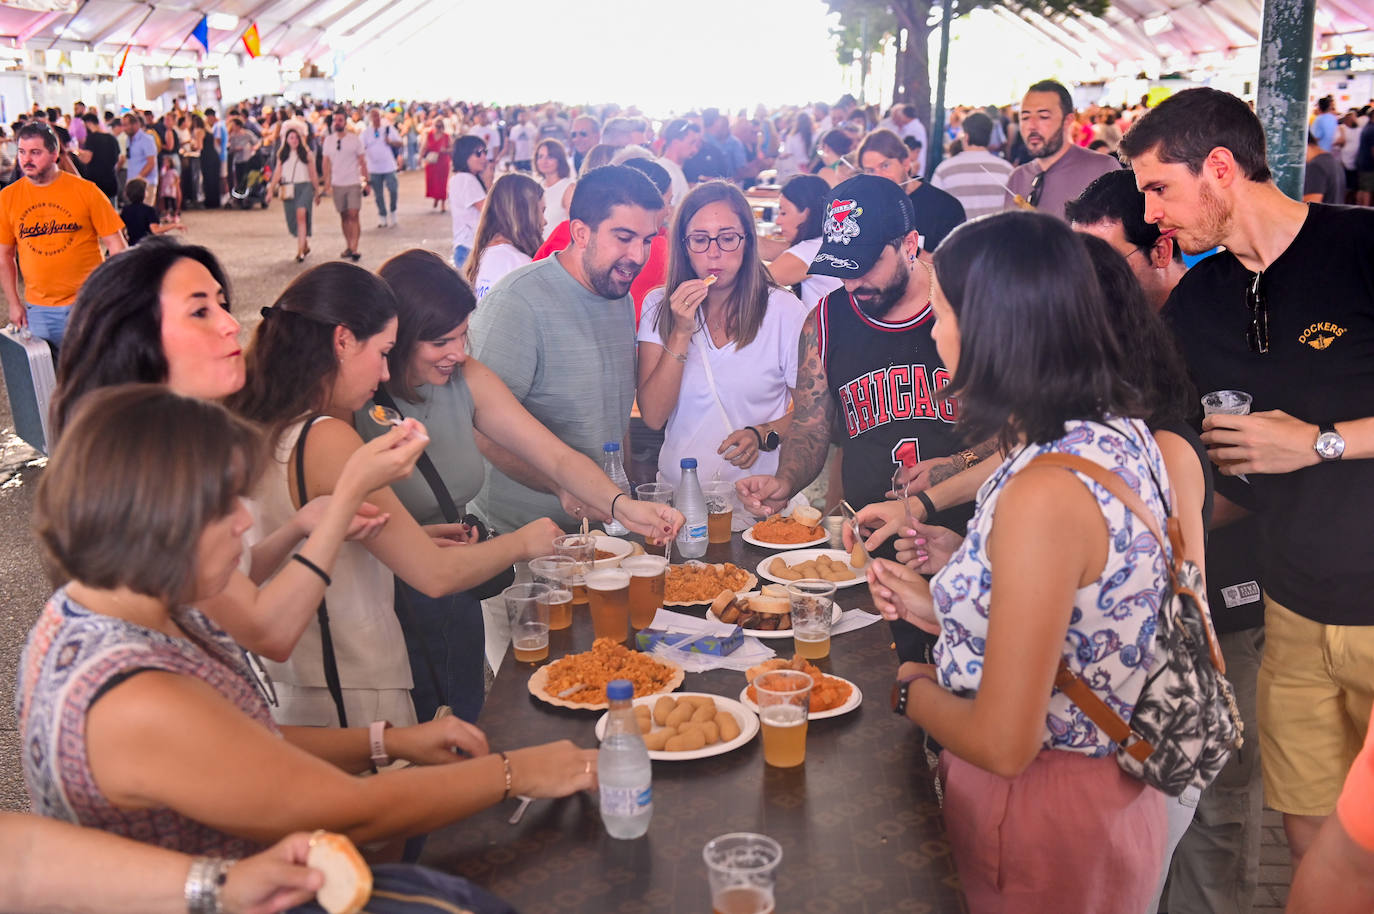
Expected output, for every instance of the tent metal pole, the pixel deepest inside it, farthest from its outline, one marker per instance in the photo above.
(935, 140)
(1284, 76)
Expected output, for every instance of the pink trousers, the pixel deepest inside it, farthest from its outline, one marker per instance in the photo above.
(1069, 835)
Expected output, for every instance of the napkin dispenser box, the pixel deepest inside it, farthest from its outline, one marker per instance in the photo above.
(715, 645)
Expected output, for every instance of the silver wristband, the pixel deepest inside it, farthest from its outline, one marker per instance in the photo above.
(203, 884)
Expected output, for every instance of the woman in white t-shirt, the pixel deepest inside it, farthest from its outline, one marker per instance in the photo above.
(466, 193)
(796, 148)
(801, 208)
(718, 345)
(508, 233)
(551, 165)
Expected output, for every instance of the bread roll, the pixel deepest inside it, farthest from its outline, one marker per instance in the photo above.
(347, 879)
(806, 515)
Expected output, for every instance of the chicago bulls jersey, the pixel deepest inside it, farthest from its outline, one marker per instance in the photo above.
(884, 378)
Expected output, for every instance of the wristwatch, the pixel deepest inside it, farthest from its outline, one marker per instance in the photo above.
(900, 690)
(969, 458)
(1330, 445)
(768, 442)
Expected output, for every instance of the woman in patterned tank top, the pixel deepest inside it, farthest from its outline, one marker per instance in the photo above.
(139, 715)
(1040, 816)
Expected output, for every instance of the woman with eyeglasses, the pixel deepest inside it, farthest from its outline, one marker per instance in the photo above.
(437, 157)
(718, 344)
(555, 174)
(508, 231)
(466, 193)
(883, 153)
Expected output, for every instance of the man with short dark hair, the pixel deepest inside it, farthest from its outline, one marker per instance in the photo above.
(55, 222)
(1285, 314)
(975, 177)
(1059, 168)
(560, 333)
(381, 142)
(345, 173)
(99, 154)
(1324, 180)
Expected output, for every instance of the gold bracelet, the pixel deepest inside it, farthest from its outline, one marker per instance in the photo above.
(680, 358)
(505, 762)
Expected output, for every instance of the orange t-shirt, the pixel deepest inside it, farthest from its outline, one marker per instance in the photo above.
(1356, 805)
(56, 229)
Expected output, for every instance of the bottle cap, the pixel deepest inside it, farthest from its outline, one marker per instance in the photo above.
(619, 690)
(611, 446)
(689, 463)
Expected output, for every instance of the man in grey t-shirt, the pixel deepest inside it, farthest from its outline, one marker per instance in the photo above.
(1059, 170)
(561, 334)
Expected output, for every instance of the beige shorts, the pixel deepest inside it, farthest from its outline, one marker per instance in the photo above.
(1316, 689)
(348, 197)
(306, 706)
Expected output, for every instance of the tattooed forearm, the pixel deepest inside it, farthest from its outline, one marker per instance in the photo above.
(957, 463)
(803, 450)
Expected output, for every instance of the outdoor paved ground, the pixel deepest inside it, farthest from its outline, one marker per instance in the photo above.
(259, 256)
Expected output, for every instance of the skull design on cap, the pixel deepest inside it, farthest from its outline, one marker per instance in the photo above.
(841, 222)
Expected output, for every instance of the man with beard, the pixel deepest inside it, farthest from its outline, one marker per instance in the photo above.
(55, 223)
(1286, 314)
(1059, 169)
(345, 174)
(560, 333)
(868, 375)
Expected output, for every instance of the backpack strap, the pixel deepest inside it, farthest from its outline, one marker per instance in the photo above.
(331, 664)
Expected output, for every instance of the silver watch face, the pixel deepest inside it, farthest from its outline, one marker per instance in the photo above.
(1330, 445)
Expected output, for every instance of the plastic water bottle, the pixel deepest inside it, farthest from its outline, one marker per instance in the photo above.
(614, 469)
(691, 539)
(622, 767)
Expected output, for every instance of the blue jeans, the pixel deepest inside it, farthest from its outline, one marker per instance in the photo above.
(385, 180)
(48, 322)
(460, 255)
(446, 635)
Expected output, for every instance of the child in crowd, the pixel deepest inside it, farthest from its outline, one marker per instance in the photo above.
(140, 219)
(169, 182)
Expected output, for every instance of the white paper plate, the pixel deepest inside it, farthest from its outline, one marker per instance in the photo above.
(803, 555)
(777, 633)
(748, 537)
(748, 726)
(855, 699)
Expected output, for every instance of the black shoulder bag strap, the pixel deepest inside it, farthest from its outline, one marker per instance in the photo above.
(331, 665)
(450, 511)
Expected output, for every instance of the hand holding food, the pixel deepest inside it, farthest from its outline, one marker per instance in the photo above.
(384, 459)
(271, 881)
(684, 302)
(347, 878)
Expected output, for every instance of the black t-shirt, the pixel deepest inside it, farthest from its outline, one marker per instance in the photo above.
(709, 162)
(104, 150)
(1316, 523)
(139, 219)
(883, 378)
(937, 214)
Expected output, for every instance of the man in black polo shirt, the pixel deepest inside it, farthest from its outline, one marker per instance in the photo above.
(1286, 314)
(868, 375)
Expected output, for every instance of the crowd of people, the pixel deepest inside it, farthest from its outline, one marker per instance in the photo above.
(981, 339)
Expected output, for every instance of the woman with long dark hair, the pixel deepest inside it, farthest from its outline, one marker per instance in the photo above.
(555, 174)
(801, 209)
(316, 358)
(296, 182)
(1040, 815)
(718, 344)
(795, 155)
(466, 193)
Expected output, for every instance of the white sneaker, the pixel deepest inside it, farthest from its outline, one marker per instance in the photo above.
(394, 221)
(382, 224)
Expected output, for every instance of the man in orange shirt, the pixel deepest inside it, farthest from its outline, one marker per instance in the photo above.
(55, 222)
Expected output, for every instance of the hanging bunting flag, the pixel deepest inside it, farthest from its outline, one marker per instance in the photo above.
(201, 33)
(123, 61)
(251, 42)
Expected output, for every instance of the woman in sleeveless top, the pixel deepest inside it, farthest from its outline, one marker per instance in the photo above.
(161, 315)
(140, 716)
(1040, 816)
(296, 170)
(433, 378)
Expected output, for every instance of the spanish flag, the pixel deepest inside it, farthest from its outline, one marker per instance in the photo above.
(251, 43)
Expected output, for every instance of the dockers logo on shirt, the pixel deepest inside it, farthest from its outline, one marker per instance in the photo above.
(47, 228)
(841, 224)
(1321, 335)
(894, 394)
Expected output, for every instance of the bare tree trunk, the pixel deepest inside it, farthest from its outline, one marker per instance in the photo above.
(912, 85)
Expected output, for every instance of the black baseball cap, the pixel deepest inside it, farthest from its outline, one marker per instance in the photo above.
(863, 216)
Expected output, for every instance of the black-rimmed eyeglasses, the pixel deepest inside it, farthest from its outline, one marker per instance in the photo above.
(1257, 334)
(700, 242)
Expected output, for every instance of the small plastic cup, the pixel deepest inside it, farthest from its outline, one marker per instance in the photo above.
(557, 571)
(812, 605)
(581, 548)
(742, 868)
(529, 620)
(784, 700)
(659, 493)
(1226, 403)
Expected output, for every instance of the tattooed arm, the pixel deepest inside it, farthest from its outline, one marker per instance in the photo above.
(803, 450)
(955, 464)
